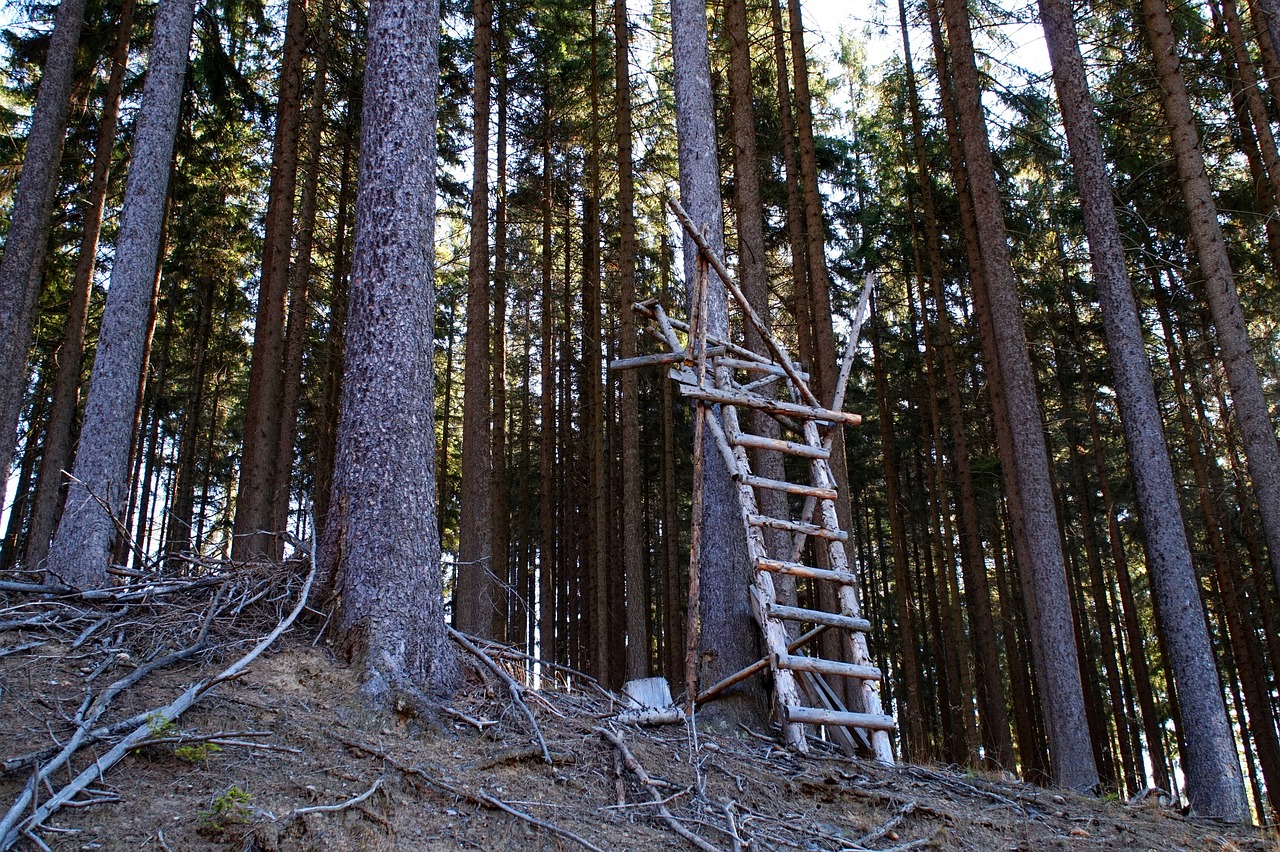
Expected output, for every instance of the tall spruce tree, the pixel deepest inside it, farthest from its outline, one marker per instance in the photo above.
(1214, 783)
(381, 540)
(99, 490)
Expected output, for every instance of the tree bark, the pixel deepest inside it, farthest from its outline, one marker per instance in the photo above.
(1073, 764)
(177, 541)
(995, 717)
(22, 263)
(791, 171)
(913, 721)
(1214, 784)
(82, 546)
(729, 640)
(59, 430)
(638, 638)
(334, 355)
(298, 328)
(255, 535)
(593, 448)
(547, 585)
(1256, 426)
(500, 513)
(752, 271)
(381, 538)
(473, 591)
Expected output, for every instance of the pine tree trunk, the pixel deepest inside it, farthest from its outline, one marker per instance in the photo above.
(1253, 98)
(729, 640)
(595, 516)
(130, 544)
(638, 639)
(1137, 655)
(1265, 15)
(21, 265)
(752, 272)
(381, 540)
(144, 406)
(825, 360)
(255, 535)
(82, 546)
(60, 429)
(1030, 748)
(19, 510)
(911, 715)
(499, 512)
(339, 284)
(1073, 764)
(673, 579)
(547, 573)
(1256, 426)
(298, 328)
(959, 686)
(178, 540)
(995, 717)
(473, 597)
(791, 169)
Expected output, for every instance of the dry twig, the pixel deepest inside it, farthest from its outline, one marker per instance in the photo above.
(340, 806)
(14, 826)
(480, 797)
(516, 690)
(638, 770)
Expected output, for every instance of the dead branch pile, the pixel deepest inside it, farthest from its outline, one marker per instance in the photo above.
(209, 613)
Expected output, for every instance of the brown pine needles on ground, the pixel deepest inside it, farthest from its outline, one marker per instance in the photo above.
(285, 754)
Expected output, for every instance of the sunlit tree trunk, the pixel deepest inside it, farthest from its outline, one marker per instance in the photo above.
(381, 540)
(628, 403)
(473, 597)
(729, 639)
(299, 324)
(255, 536)
(82, 547)
(21, 265)
(1073, 764)
(1257, 428)
(50, 487)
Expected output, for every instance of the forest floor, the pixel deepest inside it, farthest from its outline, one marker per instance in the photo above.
(288, 756)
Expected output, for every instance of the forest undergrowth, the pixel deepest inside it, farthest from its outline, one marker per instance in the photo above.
(279, 750)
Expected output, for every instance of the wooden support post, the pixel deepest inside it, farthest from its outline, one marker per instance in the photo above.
(747, 310)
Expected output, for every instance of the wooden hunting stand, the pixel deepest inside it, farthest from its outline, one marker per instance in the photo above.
(722, 377)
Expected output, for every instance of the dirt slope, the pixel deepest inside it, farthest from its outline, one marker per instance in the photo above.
(240, 768)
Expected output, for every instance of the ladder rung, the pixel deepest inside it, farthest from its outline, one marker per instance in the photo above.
(764, 403)
(795, 569)
(799, 663)
(788, 447)
(791, 487)
(798, 526)
(757, 367)
(815, 716)
(813, 616)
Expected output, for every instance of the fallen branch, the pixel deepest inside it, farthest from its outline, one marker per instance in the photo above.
(638, 770)
(480, 724)
(18, 649)
(480, 797)
(516, 690)
(532, 820)
(12, 828)
(84, 719)
(341, 806)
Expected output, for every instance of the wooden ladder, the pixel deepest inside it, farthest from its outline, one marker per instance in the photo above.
(723, 378)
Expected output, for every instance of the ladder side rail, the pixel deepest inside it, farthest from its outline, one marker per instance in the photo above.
(786, 691)
(748, 312)
(868, 690)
